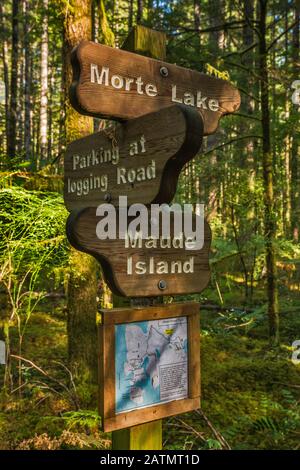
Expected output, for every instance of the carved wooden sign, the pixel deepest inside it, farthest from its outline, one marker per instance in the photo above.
(136, 266)
(141, 159)
(121, 85)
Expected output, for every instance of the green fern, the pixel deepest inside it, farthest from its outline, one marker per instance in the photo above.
(266, 423)
(82, 418)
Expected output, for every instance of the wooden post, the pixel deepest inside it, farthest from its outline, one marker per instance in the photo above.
(146, 436)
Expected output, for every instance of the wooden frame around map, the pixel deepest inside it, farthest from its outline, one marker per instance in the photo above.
(110, 317)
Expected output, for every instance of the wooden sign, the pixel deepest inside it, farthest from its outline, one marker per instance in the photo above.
(141, 159)
(117, 84)
(149, 363)
(136, 266)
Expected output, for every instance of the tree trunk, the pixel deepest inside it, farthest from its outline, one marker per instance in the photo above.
(197, 11)
(95, 38)
(197, 23)
(13, 81)
(44, 87)
(6, 75)
(62, 113)
(130, 15)
(270, 216)
(295, 166)
(20, 95)
(216, 46)
(217, 17)
(95, 20)
(82, 288)
(50, 140)
(139, 14)
(27, 98)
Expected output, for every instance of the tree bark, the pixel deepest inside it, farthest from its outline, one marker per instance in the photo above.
(216, 46)
(295, 166)
(197, 11)
(13, 81)
(50, 140)
(20, 93)
(139, 15)
(270, 216)
(95, 20)
(130, 15)
(44, 86)
(5, 73)
(197, 23)
(216, 17)
(27, 77)
(62, 113)
(95, 38)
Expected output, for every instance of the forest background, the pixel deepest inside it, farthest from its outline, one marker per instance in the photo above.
(247, 175)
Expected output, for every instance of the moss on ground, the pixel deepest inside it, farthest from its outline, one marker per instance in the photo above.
(250, 392)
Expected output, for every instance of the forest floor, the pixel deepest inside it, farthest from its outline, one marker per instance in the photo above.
(250, 392)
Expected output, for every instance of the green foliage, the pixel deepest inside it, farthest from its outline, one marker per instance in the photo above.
(32, 225)
(107, 34)
(88, 419)
(250, 392)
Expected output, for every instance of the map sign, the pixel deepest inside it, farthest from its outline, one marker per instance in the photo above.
(149, 363)
(151, 360)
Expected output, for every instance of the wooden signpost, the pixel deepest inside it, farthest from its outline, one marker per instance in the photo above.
(141, 158)
(135, 266)
(120, 85)
(149, 358)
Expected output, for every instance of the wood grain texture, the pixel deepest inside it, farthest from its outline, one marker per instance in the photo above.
(171, 137)
(152, 413)
(146, 436)
(194, 355)
(126, 315)
(106, 369)
(113, 256)
(146, 42)
(111, 317)
(120, 104)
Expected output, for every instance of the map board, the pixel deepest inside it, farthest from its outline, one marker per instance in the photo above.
(156, 371)
(151, 362)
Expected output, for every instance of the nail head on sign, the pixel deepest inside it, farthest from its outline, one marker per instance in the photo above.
(164, 71)
(162, 284)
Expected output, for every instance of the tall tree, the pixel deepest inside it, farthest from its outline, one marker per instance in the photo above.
(13, 80)
(27, 78)
(130, 14)
(267, 161)
(44, 85)
(4, 52)
(295, 166)
(197, 11)
(139, 14)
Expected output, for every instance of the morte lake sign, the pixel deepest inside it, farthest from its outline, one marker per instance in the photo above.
(121, 85)
(136, 266)
(141, 158)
